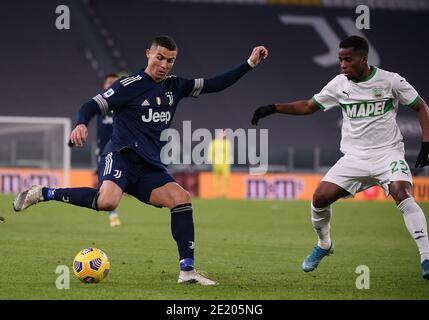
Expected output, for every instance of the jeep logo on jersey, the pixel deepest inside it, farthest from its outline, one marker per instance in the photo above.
(367, 108)
(163, 116)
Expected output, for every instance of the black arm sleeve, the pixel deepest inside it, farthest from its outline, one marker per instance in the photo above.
(87, 112)
(226, 79)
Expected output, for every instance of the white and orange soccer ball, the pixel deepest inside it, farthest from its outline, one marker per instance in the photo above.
(91, 265)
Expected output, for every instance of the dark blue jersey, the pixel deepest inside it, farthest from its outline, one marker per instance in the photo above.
(143, 108)
(104, 131)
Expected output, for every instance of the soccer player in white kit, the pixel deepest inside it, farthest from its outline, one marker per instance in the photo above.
(371, 142)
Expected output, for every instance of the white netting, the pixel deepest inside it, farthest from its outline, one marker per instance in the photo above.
(33, 150)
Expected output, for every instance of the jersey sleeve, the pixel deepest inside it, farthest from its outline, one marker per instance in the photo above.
(191, 87)
(403, 91)
(327, 98)
(116, 96)
(195, 87)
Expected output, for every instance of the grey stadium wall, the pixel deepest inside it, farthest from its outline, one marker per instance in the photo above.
(49, 76)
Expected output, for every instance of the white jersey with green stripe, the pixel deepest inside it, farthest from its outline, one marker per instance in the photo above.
(369, 110)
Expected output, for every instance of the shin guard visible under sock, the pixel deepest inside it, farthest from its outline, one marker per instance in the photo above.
(182, 229)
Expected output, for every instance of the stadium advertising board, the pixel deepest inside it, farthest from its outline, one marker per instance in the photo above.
(13, 181)
(241, 185)
(291, 187)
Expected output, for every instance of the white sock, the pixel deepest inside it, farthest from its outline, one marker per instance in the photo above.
(415, 221)
(320, 218)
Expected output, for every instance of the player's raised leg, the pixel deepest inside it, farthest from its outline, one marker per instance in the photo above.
(414, 219)
(321, 212)
(178, 200)
(105, 199)
(83, 197)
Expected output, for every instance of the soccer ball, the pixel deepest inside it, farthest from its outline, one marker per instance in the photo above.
(91, 265)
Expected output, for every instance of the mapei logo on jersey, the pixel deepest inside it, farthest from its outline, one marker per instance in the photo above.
(163, 116)
(367, 108)
(109, 93)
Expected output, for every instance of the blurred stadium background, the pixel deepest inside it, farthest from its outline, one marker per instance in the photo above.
(254, 249)
(48, 72)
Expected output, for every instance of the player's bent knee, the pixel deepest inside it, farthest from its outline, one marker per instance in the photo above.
(105, 203)
(109, 196)
(320, 200)
(401, 195)
(181, 198)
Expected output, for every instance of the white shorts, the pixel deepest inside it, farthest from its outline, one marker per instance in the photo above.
(354, 174)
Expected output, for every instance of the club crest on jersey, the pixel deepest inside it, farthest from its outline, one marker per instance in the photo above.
(170, 98)
(107, 119)
(377, 92)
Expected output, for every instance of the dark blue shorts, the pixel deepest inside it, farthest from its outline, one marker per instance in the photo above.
(132, 173)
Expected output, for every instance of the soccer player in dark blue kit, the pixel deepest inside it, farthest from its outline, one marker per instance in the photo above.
(144, 105)
(104, 133)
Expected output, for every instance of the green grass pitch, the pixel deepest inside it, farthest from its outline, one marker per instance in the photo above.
(253, 248)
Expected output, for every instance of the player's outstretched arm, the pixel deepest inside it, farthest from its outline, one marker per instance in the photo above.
(80, 132)
(423, 114)
(227, 79)
(298, 108)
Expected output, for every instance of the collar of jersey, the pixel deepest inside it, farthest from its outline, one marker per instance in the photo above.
(371, 75)
(146, 76)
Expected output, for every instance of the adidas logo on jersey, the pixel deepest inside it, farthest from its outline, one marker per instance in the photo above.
(128, 80)
(145, 103)
(163, 116)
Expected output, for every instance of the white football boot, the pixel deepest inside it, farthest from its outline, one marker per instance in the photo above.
(27, 198)
(189, 277)
(114, 220)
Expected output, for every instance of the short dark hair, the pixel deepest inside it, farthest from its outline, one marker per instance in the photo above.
(165, 41)
(355, 42)
(111, 75)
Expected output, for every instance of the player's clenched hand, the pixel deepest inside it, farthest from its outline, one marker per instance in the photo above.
(78, 135)
(263, 112)
(257, 55)
(423, 157)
